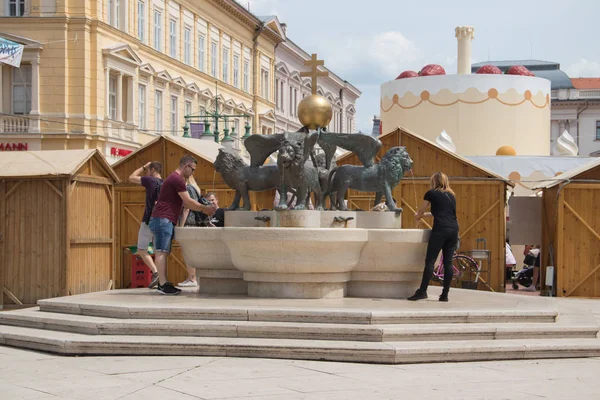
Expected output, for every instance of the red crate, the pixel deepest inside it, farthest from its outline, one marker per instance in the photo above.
(141, 275)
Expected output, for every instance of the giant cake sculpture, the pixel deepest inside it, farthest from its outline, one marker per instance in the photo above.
(481, 112)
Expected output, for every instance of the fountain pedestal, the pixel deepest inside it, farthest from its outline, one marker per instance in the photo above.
(319, 254)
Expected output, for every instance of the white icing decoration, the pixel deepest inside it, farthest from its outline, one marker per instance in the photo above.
(445, 141)
(565, 146)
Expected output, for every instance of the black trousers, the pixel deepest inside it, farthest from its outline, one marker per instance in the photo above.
(446, 240)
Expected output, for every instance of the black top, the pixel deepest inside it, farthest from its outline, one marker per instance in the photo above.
(152, 186)
(443, 209)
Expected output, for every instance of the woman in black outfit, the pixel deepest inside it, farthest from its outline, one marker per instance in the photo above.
(444, 235)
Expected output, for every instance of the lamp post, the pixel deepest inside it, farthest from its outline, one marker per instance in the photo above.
(215, 116)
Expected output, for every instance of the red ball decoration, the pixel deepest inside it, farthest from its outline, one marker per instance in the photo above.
(407, 74)
(519, 70)
(489, 69)
(432, 69)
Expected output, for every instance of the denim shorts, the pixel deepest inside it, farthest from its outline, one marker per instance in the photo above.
(163, 231)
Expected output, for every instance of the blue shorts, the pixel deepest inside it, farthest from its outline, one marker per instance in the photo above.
(163, 231)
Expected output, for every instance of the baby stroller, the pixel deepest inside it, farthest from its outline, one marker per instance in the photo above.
(524, 277)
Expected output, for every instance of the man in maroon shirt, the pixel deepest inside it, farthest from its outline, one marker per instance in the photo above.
(173, 196)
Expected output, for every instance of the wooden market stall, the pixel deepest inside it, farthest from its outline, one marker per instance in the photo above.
(480, 194)
(571, 231)
(57, 231)
(130, 198)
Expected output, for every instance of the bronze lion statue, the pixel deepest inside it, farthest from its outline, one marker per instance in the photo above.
(244, 178)
(298, 174)
(380, 178)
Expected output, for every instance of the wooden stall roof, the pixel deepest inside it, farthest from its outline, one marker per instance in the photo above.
(49, 163)
(590, 170)
(403, 131)
(205, 149)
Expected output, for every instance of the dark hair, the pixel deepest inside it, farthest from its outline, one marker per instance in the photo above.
(207, 195)
(155, 165)
(187, 159)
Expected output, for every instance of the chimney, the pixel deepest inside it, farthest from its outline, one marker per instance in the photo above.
(464, 34)
(284, 27)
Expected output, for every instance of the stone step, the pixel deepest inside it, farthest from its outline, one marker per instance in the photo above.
(396, 352)
(91, 325)
(290, 314)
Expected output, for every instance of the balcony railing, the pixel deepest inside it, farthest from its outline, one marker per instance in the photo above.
(14, 124)
(587, 94)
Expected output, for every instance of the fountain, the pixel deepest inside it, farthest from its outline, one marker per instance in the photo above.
(303, 253)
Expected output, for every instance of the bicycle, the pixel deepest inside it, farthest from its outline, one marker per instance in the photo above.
(462, 265)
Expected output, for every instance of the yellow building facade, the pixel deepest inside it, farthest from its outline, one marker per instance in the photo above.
(114, 74)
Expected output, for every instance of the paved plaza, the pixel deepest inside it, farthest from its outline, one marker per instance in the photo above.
(31, 375)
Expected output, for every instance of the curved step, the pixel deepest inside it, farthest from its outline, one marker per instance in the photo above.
(292, 330)
(388, 353)
(300, 315)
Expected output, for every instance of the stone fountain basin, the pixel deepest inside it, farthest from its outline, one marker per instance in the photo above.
(295, 251)
(306, 262)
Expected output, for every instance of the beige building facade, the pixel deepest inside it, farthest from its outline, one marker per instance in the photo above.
(114, 74)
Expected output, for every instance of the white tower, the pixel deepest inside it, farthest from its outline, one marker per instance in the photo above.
(464, 34)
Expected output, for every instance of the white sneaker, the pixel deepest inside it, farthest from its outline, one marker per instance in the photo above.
(188, 283)
(530, 289)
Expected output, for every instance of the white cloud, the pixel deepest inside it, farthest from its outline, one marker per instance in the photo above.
(370, 60)
(584, 68)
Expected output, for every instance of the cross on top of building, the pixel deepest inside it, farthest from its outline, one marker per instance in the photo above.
(314, 73)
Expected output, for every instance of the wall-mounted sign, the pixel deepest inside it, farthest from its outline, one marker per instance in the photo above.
(13, 146)
(117, 152)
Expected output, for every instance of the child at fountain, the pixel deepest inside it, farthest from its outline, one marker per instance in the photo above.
(444, 235)
(192, 218)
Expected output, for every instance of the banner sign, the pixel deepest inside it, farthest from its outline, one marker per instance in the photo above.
(11, 52)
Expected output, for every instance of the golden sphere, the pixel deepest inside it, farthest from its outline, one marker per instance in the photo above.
(314, 112)
(506, 151)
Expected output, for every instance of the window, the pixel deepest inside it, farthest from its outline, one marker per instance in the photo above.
(21, 89)
(109, 13)
(295, 101)
(142, 107)
(187, 46)
(201, 54)
(117, 19)
(277, 94)
(246, 75)
(264, 83)
(142, 21)
(236, 71)
(173, 115)
(158, 125)
(226, 65)
(173, 38)
(16, 8)
(188, 108)
(597, 130)
(291, 101)
(157, 30)
(236, 126)
(112, 98)
(213, 59)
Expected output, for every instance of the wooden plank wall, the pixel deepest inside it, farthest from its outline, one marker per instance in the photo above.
(480, 201)
(33, 226)
(550, 237)
(579, 258)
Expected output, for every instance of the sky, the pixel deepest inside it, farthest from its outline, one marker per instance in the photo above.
(371, 42)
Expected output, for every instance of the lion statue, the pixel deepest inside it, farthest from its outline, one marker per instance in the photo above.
(380, 178)
(298, 174)
(244, 178)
